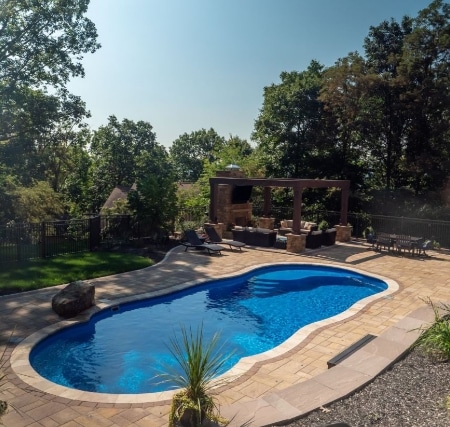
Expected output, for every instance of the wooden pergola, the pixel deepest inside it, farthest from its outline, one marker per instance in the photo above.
(298, 186)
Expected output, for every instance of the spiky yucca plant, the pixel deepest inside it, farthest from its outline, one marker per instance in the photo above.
(200, 362)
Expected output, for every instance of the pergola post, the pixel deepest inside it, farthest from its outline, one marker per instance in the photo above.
(298, 191)
(267, 200)
(344, 204)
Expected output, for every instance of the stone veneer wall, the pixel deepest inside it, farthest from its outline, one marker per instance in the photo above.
(227, 212)
(296, 243)
(343, 233)
(266, 223)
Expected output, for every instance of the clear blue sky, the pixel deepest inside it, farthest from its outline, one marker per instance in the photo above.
(184, 65)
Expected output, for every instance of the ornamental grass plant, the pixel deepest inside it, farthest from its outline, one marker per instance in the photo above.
(201, 360)
(434, 339)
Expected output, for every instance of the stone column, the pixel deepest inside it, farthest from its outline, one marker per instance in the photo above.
(266, 223)
(343, 233)
(295, 243)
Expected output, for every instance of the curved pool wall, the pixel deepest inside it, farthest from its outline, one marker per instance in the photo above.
(21, 354)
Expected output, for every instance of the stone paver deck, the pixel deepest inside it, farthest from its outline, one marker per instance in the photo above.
(283, 387)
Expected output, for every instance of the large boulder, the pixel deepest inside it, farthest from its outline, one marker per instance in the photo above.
(74, 298)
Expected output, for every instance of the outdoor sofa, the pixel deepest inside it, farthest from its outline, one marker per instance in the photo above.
(255, 236)
(306, 227)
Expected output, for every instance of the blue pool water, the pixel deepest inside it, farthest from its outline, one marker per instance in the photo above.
(123, 349)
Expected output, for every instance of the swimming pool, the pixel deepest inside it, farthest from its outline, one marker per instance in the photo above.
(120, 350)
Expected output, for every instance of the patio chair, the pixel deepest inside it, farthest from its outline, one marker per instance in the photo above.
(422, 247)
(404, 243)
(384, 240)
(193, 241)
(215, 238)
(371, 239)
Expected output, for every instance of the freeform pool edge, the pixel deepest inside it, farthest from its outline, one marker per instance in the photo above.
(22, 368)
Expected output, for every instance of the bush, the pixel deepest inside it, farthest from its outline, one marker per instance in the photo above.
(434, 339)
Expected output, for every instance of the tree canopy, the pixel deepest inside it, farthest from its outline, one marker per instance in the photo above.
(42, 42)
(189, 151)
(380, 118)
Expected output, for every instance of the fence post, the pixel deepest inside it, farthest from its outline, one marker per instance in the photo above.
(18, 243)
(94, 232)
(43, 240)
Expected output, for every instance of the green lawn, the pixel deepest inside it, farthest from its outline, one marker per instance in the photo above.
(42, 273)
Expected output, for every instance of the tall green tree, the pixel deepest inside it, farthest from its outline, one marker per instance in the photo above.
(425, 71)
(385, 92)
(189, 151)
(155, 198)
(42, 42)
(78, 179)
(115, 149)
(288, 127)
(347, 113)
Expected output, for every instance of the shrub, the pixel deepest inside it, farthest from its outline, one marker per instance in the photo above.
(434, 339)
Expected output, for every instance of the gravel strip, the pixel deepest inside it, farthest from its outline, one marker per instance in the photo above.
(412, 393)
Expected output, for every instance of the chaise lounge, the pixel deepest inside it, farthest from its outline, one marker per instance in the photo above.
(193, 241)
(215, 238)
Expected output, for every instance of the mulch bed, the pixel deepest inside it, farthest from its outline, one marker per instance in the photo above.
(413, 393)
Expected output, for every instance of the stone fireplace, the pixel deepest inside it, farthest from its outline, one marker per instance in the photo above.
(233, 200)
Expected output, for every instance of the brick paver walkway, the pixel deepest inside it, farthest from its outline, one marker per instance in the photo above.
(418, 279)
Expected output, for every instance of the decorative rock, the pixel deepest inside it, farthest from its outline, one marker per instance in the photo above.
(74, 298)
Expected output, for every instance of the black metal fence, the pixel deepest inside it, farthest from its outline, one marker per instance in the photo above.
(436, 230)
(24, 241)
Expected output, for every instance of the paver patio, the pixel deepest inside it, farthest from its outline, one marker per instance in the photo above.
(269, 389)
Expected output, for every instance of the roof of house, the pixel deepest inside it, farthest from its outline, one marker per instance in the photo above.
(119, 192)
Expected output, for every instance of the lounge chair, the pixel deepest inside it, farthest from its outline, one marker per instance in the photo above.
(215, 238)
(193, 241)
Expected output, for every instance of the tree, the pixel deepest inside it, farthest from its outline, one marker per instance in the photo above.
(42, 42)
(384, 47)
(425, 71)
(235, 151)
(39, 148)
(41, 47)
(155, 198)
(189, 151)
(115, 149)
(78, 180)
(346, 116)
(288, 126)
(37, 203)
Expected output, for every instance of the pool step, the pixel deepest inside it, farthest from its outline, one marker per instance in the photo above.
(264, 288)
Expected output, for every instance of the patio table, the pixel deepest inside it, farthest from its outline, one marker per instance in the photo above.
(415, 241)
